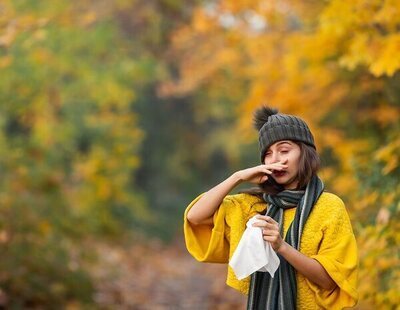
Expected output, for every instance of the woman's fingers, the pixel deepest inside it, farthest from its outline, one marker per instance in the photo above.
(271, 167)
(273, 237)
(263, 169)
(270, 233)
(270, 230)
(277, 166)
(267, 218)
(259, 174)
(255, 173)
(264, 224)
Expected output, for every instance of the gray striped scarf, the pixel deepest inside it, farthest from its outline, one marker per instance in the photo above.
(280, 292)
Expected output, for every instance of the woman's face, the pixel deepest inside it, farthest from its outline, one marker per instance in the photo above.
(285, 152)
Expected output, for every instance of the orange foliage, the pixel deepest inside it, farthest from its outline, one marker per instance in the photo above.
(334, 63)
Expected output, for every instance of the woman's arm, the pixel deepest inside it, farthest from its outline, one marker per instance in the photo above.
(308, 267)
(203, 210)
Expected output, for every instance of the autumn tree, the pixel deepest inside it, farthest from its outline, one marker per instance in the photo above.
(69, 145)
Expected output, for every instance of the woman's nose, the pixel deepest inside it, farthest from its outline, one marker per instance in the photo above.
(278, 158)
(275, 158)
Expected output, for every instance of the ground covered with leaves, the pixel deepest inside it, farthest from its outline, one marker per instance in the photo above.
(156, 276)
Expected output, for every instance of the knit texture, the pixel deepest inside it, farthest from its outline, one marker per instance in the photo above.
(283, 127)
(280, 291)
(327, 237)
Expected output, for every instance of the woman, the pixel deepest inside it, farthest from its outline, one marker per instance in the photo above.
(307, 227)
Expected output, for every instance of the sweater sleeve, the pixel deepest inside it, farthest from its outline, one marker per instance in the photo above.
(209, 243)
(339, 256)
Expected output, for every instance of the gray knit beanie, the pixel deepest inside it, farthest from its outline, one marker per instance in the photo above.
(273, 127)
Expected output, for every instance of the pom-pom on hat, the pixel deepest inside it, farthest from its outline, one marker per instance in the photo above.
(273, 127)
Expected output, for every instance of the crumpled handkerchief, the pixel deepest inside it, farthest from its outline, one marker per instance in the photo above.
(253, 253)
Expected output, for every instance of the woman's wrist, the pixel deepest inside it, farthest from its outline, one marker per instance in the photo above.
(236, 178)
(282, 248)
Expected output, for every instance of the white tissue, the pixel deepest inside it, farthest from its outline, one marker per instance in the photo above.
(253, 253)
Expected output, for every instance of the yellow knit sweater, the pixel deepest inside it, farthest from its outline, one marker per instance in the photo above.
(327, 237)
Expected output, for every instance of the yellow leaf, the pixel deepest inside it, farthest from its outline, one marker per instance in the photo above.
(388, 60)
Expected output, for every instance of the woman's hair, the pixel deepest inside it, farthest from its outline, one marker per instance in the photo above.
(309, 164)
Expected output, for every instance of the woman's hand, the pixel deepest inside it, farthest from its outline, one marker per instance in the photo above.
(259, 174)
(270, 230)
(203, 210)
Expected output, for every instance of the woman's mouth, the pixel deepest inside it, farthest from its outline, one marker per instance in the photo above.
(279, 174)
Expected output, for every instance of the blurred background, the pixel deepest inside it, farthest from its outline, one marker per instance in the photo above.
(115, 114)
